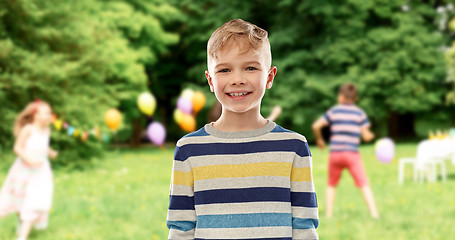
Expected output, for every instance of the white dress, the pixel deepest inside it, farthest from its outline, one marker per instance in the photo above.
(28, 190)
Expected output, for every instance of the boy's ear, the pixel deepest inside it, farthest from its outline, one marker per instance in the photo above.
(270, 77)
(209, 80)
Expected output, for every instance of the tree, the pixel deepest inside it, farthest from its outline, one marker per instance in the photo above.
(83, 57)
(388, 49)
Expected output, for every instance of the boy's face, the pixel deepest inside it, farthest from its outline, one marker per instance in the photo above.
(239, 79)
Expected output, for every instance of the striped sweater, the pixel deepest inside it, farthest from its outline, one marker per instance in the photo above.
(346, 122)
(254, 184)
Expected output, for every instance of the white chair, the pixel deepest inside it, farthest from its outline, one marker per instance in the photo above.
(401, 167)
(429, 155)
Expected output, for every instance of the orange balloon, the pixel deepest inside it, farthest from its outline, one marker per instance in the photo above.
(198, 101)
(188, 123)
(84, 136)
(53, 117)
(113, 118)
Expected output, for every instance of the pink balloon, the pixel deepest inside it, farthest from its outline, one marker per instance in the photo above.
(156, 133)
(184, 105)
(385, 150)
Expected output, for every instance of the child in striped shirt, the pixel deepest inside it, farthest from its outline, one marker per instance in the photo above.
(347, 124)
(242, 176)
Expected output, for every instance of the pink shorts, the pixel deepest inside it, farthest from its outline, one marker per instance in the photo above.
(350, 160)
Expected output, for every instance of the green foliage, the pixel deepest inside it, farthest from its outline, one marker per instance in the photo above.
(83, 57)
(390, 54)
(450, 58)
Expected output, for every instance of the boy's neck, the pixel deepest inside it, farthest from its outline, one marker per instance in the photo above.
(346, 103)
(231, 121)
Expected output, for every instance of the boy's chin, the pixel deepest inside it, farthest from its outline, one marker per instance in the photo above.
(240, 109)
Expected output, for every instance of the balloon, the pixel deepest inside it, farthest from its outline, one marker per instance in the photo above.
(113, 118)
(97, 132)
(53, 117)
(58, 124)
(156, 133)
(198, 101)
(188, 123)
(71, 130)
(146, 103)
(178, 115)
(184, 104)
(76, 133)
(84, 136)
(105, 137)
(187, 93)
(385, 150)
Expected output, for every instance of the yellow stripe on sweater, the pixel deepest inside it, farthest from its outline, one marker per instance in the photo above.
(182, 178)
(301, 174)
(242, 170)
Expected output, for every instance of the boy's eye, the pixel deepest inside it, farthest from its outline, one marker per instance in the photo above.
(224, 70)
(251, 68)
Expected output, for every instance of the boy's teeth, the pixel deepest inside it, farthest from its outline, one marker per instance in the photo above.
(237, 94)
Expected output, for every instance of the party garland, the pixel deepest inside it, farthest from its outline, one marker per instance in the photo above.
(76, 132)
(188, 105)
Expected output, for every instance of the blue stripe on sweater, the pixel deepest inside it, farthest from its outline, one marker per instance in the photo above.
(289, 145)
(247, 220)
(258, 194)
(304, 199)
(280, 129)
(353, 112)
(304, 223)
(346, 133)
(181, 202)
(181, 225)
(344, 143)
(365, 121)
(345, 122)
(198, 133)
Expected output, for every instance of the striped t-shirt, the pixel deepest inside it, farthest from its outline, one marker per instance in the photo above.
(254, 184)
(346, 122)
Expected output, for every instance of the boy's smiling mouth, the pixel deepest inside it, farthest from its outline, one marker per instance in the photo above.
(238, 94)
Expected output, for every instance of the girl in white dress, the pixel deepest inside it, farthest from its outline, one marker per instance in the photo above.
(28, 188)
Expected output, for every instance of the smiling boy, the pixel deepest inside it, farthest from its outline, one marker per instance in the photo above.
(242, 176)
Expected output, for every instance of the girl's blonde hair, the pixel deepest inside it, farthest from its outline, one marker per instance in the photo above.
(27, 115)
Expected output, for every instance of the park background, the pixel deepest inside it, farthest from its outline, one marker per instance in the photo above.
(85, 57)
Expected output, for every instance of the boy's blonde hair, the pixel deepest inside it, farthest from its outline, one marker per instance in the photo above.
(246, 34)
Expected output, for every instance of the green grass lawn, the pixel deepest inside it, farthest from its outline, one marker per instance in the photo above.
(125, 196)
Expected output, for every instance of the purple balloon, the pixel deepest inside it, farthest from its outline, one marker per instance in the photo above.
(156, 133)
(184, 105)
(385, 150)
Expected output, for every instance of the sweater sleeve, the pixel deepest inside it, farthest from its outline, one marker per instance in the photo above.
(305, 217)
(181, 216)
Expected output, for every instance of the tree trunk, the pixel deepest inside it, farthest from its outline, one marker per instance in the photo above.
(135, 140)
(401, 125)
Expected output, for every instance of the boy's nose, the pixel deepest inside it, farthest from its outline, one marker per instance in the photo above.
(238, 79)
